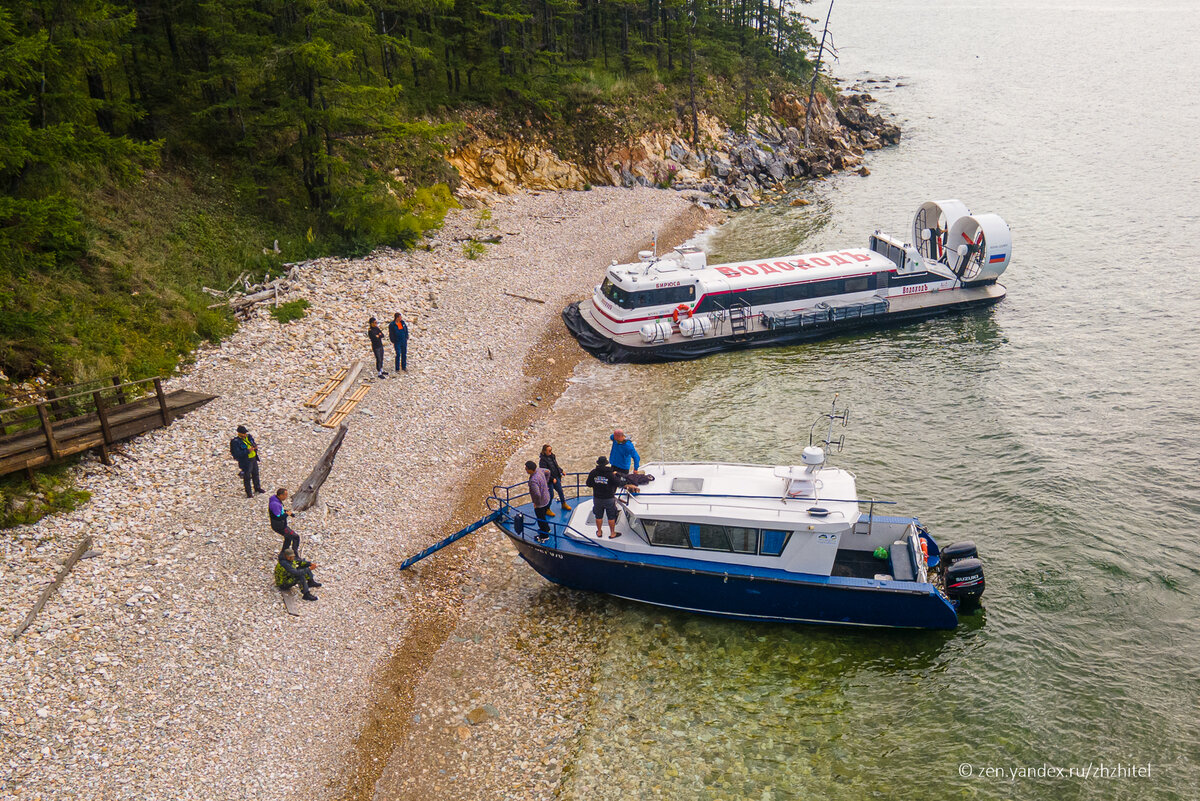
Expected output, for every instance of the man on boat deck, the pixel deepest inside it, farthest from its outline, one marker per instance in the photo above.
(539, 493)
(623, 456)
(605, 481)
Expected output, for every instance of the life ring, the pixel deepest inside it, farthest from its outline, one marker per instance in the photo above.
(924, 548)
(682, 310)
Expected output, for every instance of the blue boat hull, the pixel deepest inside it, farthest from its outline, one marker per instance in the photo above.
(819, 599)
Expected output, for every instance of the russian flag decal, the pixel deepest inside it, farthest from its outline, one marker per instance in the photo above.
(996, 258)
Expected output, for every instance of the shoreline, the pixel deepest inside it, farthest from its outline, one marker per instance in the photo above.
(166, 667)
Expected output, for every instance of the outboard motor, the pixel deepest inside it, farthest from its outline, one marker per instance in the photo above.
(959, 551)
(964, 582)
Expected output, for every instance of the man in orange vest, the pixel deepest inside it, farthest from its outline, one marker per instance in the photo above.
(398, 333)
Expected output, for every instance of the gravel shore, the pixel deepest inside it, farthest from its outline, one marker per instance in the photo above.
(166, 667)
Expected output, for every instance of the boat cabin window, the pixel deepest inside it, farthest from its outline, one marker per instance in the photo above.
(708, 538)
(715, 537)
(626, 299)
(666, 532)
(890, 251)
(773, 542)
(789, 293)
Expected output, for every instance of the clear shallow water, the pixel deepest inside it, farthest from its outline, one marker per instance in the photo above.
(1059, 430)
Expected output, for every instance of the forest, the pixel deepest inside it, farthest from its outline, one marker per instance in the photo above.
(149, 145)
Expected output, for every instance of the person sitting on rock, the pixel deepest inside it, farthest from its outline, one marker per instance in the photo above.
(291, 571)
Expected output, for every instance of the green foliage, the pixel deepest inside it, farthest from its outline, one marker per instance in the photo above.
(150, 146)
(52, 491)
(473, 250)
(292, 310)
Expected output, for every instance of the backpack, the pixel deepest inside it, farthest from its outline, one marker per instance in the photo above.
(233, 447)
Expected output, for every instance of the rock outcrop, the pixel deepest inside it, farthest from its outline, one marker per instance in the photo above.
(732, 169)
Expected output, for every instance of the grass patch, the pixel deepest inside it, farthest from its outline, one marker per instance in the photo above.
(52, 491)
(473, 250)
(292, 310)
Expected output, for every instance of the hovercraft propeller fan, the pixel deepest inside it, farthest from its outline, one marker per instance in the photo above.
(931, 227)
(970, 254)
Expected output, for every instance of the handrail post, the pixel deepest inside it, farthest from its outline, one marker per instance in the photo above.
(116, 382)
(48, 430)
(102, 412)
(162, 402)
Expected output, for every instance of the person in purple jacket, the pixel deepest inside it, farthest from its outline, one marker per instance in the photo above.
(279, 520)
(539, 493)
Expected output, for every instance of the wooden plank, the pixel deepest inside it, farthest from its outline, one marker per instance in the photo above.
(290, 603)
(48, 430)
(116, 380)
(322, 393)
(347, 406)
(306, 496)
(79, 551)
(331, 401)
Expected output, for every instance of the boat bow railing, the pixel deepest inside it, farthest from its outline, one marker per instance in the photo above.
(506, 501)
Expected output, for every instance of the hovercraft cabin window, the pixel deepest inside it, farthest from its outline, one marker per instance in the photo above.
(789, 293)
(651, 297)
(711, 537)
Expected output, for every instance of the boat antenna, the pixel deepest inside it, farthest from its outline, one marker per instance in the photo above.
(833, 416)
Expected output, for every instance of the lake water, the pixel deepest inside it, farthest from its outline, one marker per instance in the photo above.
(1060, 430)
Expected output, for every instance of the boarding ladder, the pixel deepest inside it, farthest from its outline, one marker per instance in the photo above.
(739, 317)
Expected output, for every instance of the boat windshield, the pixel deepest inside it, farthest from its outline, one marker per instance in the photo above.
(666, 296)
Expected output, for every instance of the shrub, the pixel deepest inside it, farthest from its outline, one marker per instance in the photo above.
(473, 250)
(292, 310)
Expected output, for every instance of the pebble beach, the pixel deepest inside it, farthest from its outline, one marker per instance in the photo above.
(166, 666)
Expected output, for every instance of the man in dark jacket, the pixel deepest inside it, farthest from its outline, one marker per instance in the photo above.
(605, 481)
(279, 520)
(245, 450)
(398, 334)
(375, 334)
(291, 571)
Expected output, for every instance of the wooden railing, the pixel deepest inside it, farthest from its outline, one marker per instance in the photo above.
(64, 406)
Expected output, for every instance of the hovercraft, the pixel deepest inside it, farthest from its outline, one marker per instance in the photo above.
(677, 306)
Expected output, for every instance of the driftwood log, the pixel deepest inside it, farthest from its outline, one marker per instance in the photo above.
(79, 551)
(331, 402)
(491, 240)
(523, 297)
(306, 496)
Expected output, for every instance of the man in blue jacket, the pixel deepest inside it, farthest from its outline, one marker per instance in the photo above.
(245, 450)
(624, 456)
(398, 333)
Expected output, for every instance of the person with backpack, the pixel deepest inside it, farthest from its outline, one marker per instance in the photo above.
(245, 450)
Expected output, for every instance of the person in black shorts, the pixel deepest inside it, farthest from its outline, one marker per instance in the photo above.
(605, 481)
